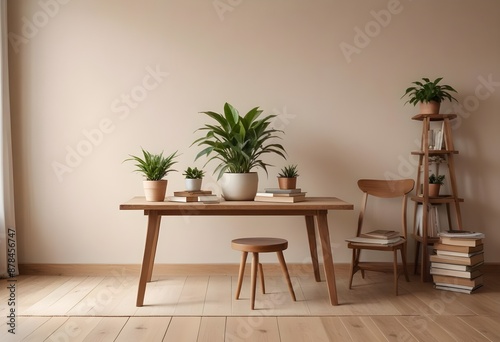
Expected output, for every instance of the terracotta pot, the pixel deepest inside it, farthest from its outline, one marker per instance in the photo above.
(193, 184)
(287, 183)
(239, 186)
(431, 107)
(434, 190)
(155, 190)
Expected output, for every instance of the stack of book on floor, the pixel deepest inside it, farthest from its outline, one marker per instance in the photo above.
(456, 264)
(204, 196)
(280, 195)
(378, 237)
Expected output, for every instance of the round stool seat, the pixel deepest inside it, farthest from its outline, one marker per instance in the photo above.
(259, 244)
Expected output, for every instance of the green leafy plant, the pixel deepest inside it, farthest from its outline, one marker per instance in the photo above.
(428, 90)
(193, 173)
(289, 171)
(439, 179)
(239, 142)
(154, 166)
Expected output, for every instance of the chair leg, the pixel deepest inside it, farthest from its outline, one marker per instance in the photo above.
(395, 267)
(358, 257)
(255, 266)
(281, 259)
(241, 272)
(261, 275)
(353, 264)
(403, 260)
(417, 251)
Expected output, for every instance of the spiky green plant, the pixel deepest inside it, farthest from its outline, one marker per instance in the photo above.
(193, 173)
(429, 91)
(239, 142)
(439, 179)
(289, 171)
(154, 166)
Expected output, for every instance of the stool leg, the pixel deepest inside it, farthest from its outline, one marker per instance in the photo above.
(241, 272)
(281, 258)
(261, 275)
(255, 265)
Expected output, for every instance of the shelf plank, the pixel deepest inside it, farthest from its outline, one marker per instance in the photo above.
(436, 200)
(434, 117)
(434, 152)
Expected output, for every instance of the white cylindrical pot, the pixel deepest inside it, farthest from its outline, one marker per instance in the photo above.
(239, 186)
(193, 184)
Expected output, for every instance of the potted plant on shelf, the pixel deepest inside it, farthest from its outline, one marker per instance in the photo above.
(287, 177)
(239, 143)
(194, 178)
(429, 94)
(154, 167)
(435, 183)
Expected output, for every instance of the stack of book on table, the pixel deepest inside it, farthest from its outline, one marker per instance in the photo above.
(280, 195)
(379, 237)
(456, 264)
(204, 196)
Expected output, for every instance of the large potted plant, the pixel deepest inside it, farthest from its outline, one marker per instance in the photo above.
(238, 143)
(154, 167)
(429, 94)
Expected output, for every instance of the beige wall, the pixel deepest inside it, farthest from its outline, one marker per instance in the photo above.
(103, 78)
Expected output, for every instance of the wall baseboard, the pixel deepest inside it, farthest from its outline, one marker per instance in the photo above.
(158, 270)
(183, 269)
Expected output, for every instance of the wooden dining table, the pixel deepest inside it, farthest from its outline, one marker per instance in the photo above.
(313, 209)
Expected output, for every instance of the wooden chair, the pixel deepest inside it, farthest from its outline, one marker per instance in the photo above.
(383, 189)
(255, 246)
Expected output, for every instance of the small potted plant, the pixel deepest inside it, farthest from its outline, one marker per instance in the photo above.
(194, 178)
(154, 167)
(429, 94)
(435, 183)
(287, 177)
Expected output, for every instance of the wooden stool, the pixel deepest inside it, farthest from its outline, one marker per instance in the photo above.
(255, 246)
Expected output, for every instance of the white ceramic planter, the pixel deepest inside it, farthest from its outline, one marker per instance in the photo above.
(239, 186)
(193, 184)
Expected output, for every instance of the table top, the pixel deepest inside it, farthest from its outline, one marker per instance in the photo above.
(252, 207)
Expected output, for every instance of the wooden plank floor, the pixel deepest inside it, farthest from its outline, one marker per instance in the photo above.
(203, 308)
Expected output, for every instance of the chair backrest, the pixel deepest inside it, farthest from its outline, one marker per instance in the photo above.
(385, 189)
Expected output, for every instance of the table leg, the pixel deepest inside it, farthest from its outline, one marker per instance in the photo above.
(153, 247)
(324, 235)
(149, 255)
(311, 235)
